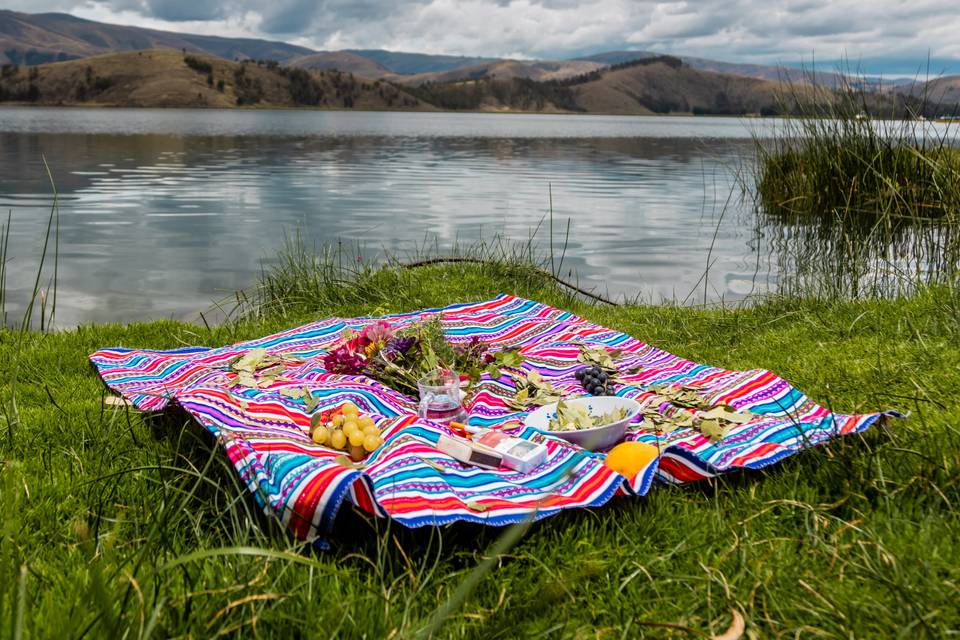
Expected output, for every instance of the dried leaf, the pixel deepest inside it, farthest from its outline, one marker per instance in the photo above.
(476, 506)
(294, 393)
(273, 371)
(508, 358)
(117, 401)
(714, 414)
(685, 421)
(311, 400)
(712, 430)
(736, 629)
(433, 465)
(347, 462)
(250, 360)
(599, 356)
(316, 420)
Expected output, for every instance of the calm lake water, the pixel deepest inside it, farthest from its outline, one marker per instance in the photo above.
(165, 211)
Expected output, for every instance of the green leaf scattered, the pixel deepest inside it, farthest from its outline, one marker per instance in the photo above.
(311, 400)
(599, 357)
(294, 393)
(347, 462)
(532, 389)
(688, 408)
(256, 369)
(433, 465)
(572, 417)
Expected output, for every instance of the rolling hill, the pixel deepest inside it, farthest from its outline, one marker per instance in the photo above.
(611, 82)
(403, 64)
(943, 93)
(539, 70)
(49, 37)
(661, 84)
(341, 61)
(668, 85)
(169, 78)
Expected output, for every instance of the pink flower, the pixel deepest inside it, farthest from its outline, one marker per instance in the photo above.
(378, 333)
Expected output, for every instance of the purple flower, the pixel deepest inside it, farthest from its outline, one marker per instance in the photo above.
(474, 349)
(400, 347)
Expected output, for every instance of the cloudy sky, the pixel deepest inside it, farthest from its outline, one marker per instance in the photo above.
(888, 36)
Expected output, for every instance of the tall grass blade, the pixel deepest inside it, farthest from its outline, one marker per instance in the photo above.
(507, 540)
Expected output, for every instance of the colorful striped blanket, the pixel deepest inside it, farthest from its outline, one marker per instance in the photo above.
(266, 433)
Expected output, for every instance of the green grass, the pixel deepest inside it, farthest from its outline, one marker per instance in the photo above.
(122, 525)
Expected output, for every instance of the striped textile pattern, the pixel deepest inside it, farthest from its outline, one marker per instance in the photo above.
(266, 434)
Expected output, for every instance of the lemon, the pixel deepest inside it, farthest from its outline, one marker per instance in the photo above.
(629, 458)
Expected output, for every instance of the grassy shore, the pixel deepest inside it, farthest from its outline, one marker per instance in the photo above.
(120, 525)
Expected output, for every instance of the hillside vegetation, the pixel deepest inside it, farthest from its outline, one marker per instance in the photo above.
(662, 84)
(39, 38)
(653, 85)
(51, 37)
(169, 78)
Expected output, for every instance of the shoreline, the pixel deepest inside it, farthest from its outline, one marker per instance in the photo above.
(254, 108)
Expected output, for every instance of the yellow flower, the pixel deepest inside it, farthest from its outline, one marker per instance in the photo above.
(374, 347)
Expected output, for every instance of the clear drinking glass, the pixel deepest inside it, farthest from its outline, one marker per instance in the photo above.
(440, 397)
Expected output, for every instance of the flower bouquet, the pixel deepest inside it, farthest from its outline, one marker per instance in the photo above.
(399, 358)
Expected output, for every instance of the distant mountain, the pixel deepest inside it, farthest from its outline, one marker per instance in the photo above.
(618, 57)
(760, 71)
(661, 84)
(405, 64)
(578, 84)
(540, 70)
(170, 78)
(342, 61)
(779, 73)
(669, 85)
(48, 37)
(943, 94)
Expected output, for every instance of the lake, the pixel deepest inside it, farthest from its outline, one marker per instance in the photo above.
(162, 212)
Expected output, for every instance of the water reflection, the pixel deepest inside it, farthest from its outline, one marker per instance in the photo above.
(855, 254)
(157, 225)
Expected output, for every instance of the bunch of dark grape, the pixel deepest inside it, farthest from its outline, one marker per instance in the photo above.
(595, 381)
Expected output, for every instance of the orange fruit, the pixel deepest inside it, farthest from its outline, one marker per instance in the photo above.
(629, 458)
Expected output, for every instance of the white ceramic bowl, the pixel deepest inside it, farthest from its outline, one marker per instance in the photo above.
(601, 437)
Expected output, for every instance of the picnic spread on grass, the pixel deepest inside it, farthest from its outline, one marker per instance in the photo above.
(339, 409)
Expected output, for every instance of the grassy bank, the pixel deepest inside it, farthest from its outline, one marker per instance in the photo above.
(118, 524)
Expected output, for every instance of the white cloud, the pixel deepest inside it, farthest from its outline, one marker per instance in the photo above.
(737, 30)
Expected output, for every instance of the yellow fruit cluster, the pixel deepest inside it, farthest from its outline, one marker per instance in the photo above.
(344, 429)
